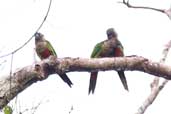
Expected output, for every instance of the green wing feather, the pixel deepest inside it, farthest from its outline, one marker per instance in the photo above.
(97, 50)
(49, 46)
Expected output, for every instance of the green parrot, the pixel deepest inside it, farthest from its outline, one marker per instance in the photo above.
(111, 47)
(44, 49)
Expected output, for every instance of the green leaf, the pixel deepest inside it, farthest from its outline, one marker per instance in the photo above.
(7, 110)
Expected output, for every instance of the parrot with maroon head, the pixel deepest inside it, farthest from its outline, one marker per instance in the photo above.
(111, 47)
(44, 49)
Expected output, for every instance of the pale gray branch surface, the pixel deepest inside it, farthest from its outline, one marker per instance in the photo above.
(26, 76)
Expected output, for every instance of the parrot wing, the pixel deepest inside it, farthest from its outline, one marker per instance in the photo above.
(97, 50)
(64, 77)
(93, 78)
(49, 46)
(119, 49)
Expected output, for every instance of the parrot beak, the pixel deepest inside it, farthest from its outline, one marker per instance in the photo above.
(110, 36)
(37, 34)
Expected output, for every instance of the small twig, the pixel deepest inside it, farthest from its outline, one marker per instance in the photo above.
(3, 62)
(72, 108)
(141, 7)
(34, 109)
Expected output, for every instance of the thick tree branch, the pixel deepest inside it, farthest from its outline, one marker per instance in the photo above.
(20, 80)
(26, 76)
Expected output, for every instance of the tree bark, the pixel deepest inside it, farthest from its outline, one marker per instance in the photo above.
(23, 78)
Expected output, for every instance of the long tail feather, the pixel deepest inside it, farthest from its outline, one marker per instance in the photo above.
(65, 78)
(92, 84)
(123, 79)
